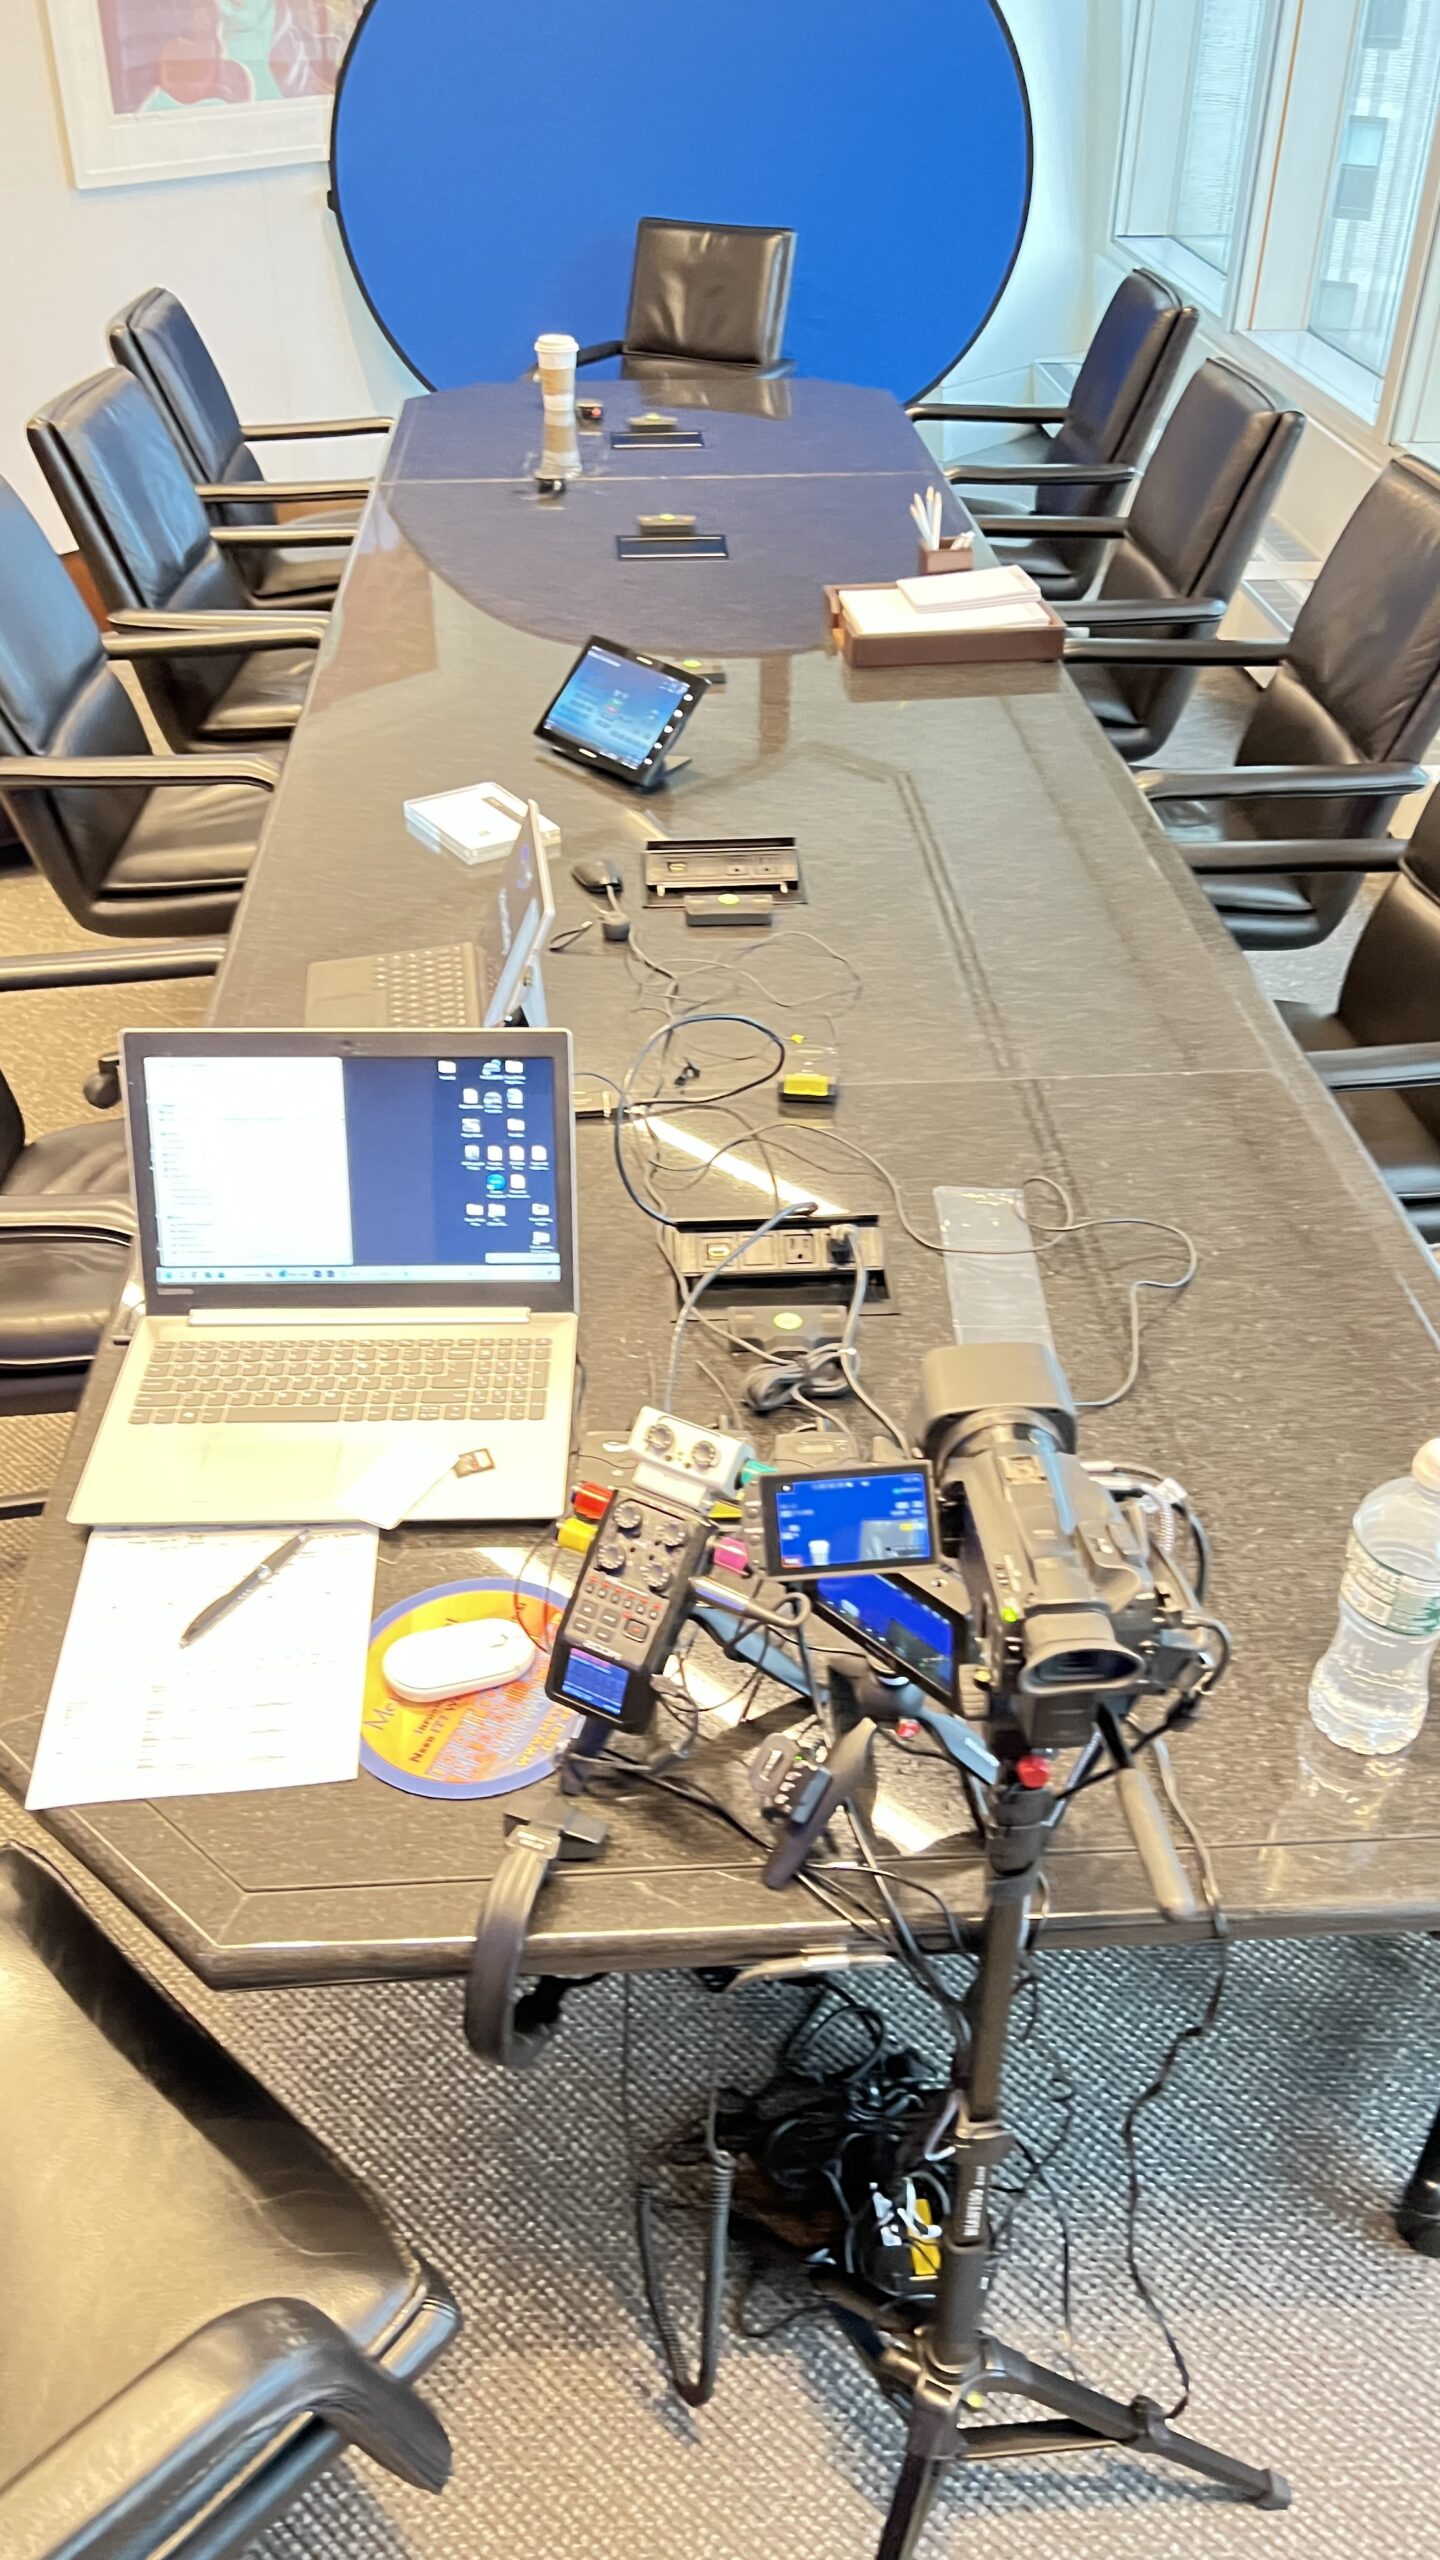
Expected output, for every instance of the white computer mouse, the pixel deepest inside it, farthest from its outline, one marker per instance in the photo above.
(448, 1662)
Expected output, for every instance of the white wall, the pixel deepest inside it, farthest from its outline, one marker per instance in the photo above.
(257, 257)
(1046, 307)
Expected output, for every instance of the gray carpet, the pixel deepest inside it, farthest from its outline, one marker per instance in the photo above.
(1269, 2174)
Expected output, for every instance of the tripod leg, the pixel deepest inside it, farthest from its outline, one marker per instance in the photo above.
(1418, 2219)
(910, 2507)
(1137, 2422)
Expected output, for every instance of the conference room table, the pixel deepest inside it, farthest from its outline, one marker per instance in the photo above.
(1021, 979)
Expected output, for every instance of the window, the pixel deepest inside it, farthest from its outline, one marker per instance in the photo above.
(1198, 78)
(1281, 162)
(1389, 127)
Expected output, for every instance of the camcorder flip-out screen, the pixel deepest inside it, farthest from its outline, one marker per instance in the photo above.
(913, 1623)
(848, 1520)
(620, 712)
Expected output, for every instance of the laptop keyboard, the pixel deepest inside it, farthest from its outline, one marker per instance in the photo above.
(433, 990)
(497, 1378)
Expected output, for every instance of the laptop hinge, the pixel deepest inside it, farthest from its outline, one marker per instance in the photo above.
(352, 1319)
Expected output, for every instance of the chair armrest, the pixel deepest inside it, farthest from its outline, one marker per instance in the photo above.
(1041, 475)
(1051, 528)
(33, 972)
(603, 347)
(1199, 652)
(129, 2478)
(226, 493)
(1287, 782)
(113, 1221)
(275, 431)
(282, 537)
(1289, 853)
(1383, 1070)
(238, 623)
(1106, 613)
(216, 641)
(977, 412)
(140, 773)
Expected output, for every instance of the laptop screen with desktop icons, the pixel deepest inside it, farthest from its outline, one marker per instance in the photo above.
(374, 1168)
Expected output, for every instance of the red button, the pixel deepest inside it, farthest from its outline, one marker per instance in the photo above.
(1033, 1769)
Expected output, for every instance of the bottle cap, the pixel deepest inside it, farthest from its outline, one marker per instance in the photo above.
(1426, 1467)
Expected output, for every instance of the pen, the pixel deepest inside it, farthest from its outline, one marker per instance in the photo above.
(263, 1572)
(934, 519)
(921, 521)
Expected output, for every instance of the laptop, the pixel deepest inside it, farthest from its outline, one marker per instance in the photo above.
(354, 1245)
(456, 984)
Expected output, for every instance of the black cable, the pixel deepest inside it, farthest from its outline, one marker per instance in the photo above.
(697, 2387)
(1194, 2033)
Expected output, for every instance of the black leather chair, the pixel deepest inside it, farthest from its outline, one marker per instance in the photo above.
(1178, 556)
(1119, 391)
(118, 479)
(131, 843)
(156, 340)
(1380, 1048)
(703, 293)
(1329, 749)
(202, 2308)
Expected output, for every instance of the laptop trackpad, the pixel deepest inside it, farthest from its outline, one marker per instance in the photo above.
(253, 1480)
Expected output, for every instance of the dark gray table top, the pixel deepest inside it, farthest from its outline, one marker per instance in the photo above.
(1040, 989)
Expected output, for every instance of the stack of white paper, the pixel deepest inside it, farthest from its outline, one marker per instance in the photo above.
(887, 611)
(482, 820)
(270, 1696)
(971, 591)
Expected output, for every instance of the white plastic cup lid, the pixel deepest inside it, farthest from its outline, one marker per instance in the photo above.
(558, 345)
(1426, 1467)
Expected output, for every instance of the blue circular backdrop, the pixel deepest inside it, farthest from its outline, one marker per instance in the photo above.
(490, 159)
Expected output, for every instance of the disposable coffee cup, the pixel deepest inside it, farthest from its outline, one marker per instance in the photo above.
(555, 354)
(819, 1550)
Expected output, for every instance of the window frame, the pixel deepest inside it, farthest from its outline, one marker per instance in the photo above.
(1231, 320)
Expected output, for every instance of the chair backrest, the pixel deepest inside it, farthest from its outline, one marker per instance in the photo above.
(1205, 494)
(1392, 986)
(120, 482)
(155, 339)
(59, 696)
(1360, 681)
(1120, 388)
(715, 292)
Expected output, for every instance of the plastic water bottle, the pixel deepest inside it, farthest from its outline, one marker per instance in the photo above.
(1371, 1690)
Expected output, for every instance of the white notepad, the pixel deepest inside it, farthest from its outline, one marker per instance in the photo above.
(874, 610)
(969, 590)
(271, 1696)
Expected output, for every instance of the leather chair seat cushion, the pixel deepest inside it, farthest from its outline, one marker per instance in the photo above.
(204, 838)
(263, 698)
(150, 2184)
(54, 1307)
(89, 1162)
(1401, 1145)
(1278, 897)
(1124, 731)
(299, 577)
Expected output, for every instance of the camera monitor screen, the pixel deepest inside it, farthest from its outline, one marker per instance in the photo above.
(620, 711)
(848, 1520)
(889, 1616)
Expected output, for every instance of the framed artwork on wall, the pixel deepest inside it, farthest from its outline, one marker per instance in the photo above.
(185, 88)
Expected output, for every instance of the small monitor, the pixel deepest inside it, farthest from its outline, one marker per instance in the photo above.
(619, 711)
(910, 1628)
(848, 1520)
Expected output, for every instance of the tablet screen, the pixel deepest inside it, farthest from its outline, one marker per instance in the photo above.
(616, 707)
